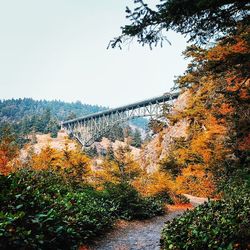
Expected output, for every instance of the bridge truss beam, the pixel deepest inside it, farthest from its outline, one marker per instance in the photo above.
(89, 128)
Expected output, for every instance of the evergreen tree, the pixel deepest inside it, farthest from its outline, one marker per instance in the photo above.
(136, 139)
(199, 19)
(72, 115)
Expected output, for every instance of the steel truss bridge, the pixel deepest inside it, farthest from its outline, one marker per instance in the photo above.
(89, 128)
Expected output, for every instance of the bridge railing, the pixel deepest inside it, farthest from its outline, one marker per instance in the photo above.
(159, 99)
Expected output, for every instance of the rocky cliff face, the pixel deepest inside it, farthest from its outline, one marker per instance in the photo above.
(158, 148)
(106, 143)
(45, 140)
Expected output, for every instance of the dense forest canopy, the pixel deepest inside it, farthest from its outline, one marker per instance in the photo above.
(25, 116)
(17, 109)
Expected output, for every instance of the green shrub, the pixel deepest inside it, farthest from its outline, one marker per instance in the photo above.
(130, 205)
(214, 225)
(42, 210)
(165, 196)
(39, 210)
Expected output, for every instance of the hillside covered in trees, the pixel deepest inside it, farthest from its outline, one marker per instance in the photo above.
(18, 109)
(27, 116)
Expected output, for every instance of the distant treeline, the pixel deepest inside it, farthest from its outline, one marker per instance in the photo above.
(18, 109)
(26, 116)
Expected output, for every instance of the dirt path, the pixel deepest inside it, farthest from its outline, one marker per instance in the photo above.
(195, 201)
(135, 235)
(140, 235)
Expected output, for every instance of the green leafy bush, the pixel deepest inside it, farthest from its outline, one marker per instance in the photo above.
(42, 210)
(165, 196)
(214, 225)
(130, 205)
(172, 198)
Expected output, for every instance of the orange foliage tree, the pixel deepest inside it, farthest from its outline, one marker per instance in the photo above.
(217, 80)
(121, 165)
(117, 166)
(73, 163)
(153, 184)
(8, 151)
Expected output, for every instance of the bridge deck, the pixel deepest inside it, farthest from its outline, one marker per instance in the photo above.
(159, 99)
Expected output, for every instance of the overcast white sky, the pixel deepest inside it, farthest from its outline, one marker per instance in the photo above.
(56, 49)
